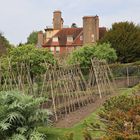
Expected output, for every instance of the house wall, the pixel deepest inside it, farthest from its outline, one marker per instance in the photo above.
(63, 49)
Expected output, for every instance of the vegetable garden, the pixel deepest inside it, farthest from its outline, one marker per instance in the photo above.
(64, 86)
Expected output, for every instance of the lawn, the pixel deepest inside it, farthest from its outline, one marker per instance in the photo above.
(77, 130)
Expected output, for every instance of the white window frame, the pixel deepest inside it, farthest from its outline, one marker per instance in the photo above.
(57, 49)
(52, 49)
(55, 39)
(69, 38)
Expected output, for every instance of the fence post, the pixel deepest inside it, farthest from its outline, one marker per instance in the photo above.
(127, 72)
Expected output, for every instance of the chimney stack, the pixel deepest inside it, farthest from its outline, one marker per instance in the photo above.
(40, 39)
(90, 29)
(57, 20)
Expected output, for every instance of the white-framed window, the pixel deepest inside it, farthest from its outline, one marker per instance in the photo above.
(55, 39)
(52, 49)
(57, 49)
(93, 38)
(69, 38)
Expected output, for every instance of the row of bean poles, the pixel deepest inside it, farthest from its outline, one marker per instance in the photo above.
(64, 86)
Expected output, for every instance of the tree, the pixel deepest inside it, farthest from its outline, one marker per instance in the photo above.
(120, 118)
(34, 57)
(74, 25)
(4, 44)
(84, 54)
(124, 37)
(32, 38)
(20, 115)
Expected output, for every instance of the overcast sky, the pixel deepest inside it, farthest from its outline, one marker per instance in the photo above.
(20, 17)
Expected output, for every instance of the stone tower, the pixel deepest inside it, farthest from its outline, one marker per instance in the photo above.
(90, 29)
(57, 20)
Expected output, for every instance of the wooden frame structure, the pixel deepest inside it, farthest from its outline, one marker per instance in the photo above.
(101, 77)
(64, 86)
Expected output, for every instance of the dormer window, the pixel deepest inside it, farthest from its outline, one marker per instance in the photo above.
(55, 39)
(93, 38)
(70, 38)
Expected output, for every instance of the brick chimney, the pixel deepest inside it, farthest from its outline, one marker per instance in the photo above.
(40, 39)
(90, 29)
(57, 20)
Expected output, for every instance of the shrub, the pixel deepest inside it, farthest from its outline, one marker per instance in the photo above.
(86, 53)
(20, 115)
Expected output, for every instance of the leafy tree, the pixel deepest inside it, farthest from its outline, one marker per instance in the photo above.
(120, 117)
(4, 44)
(124, 37)
(28, 54)
(74, 25)
(32, 38)
(20, 115)
(86, 53)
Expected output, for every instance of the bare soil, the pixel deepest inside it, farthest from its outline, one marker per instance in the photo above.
(76, 116)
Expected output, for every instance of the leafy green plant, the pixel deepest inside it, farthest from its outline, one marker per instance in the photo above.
(86, 53)
(20, 115)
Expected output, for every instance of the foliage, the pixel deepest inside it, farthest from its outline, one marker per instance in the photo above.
(4, 44)
(32, 38)
(86, 53)
(28, 54)
(124, 37)
(69, 136)
(121, 118)
(74, 25)
(20, 115)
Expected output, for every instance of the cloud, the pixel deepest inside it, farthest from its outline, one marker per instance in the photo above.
(20, 17)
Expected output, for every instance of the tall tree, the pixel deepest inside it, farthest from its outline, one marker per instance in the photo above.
(124, 37)
(4, 44)
(32, 38)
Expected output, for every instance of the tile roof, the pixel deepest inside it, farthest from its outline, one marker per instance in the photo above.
(63, 33)
(75, 32)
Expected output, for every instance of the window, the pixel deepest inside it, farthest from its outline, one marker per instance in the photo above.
(55, 39)
(93, 38)
(70, 38)
(52, 49)
(57, 49)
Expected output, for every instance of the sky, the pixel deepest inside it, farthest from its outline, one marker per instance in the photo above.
(18, 18)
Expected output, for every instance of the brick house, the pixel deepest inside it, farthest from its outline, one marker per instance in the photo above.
(61, 40)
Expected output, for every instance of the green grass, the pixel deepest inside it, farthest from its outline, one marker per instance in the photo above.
(55, 133)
